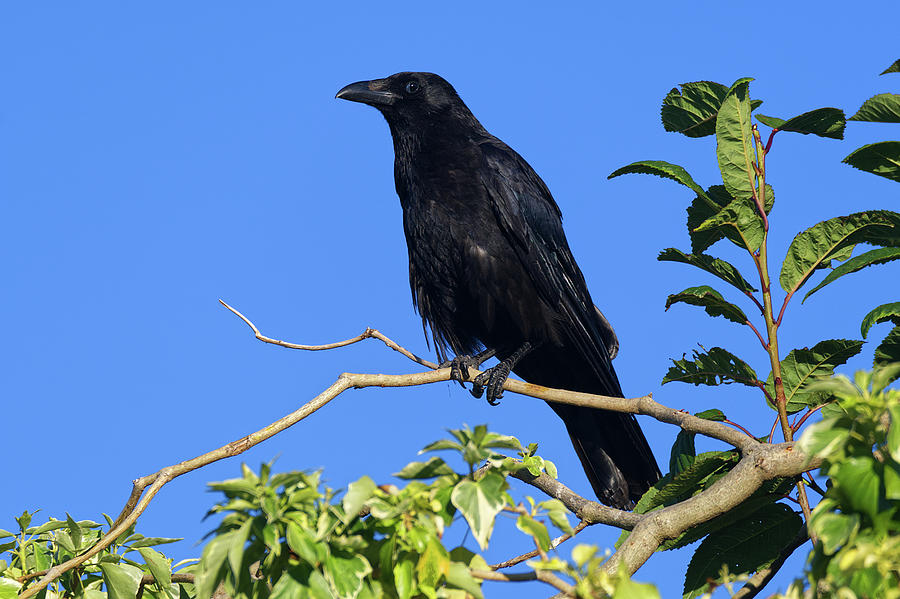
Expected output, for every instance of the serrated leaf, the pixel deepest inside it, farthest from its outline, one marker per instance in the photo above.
(802, 366)
(121, 580)
(894, 68)
(158, 565)
(712, 265)
(480, 501)
(357, 494)
(883, 313)
(430, 469)
(818, 243)
(715, 367)
(663, 169)
(739, 221)
(683, 453)
(744, 547)
(888, 351)
(857, 263)
(692, 110)
(711, 301)
(824, 122)
(737, 513)
(702, 209)
(881, 158)
(883, 108)
(734, 141)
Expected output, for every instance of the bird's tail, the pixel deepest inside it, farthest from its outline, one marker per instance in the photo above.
(613, 451)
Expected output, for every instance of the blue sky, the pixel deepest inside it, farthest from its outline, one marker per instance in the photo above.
(155, 158)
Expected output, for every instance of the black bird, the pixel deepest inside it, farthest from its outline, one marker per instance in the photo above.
(492, 274)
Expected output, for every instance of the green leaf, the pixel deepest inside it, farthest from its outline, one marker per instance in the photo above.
(883, 313)
(883, 108)
(430, 469)
(661, 169)
(739, 512)
(152, 541)
(701, 210)
(346, 575)
(739, 221)
(480, 501)
(303, 543)
(881, 158)
(692, 111)
(683, 453)
(888, 351)
(801, 366)
(744, 547)
(288, 587)
(857, 481)
(404, 580)
(715, 266)
(158, 564)
(870, 258)
(715, 367)
(458, 576)
(734, 140)
(818, 243)
(689, 482)
(357, 494)
(497, 441)
(712, 414)
(9, 589)
(121, 580)
(823, 439)
(824, 122)
(538, 531)
(711, 301)
(433, 564)
(629, 589)
(833, 529)
(894, 68)
(442, 444)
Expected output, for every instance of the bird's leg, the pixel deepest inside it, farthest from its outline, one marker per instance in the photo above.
(492, 379)
(460, 365)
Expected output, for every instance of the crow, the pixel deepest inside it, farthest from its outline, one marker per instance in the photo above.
(492, 274)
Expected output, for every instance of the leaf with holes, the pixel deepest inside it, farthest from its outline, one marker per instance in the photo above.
(712, 265)
(715, 367)
(711, 301)
(802, 366)
(870, 258)
(745, 546)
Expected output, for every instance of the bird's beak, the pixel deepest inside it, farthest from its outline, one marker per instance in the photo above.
(367, 92)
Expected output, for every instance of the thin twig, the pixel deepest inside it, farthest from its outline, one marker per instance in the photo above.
(735, 424)
(755, 301)
(369, 333)
(553, 544)
(762, 341)
(542, 575)
(812, 411)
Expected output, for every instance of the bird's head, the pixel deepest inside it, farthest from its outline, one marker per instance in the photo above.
(408, 98)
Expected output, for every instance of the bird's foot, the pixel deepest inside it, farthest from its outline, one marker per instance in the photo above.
(460, 365)
(492, 379)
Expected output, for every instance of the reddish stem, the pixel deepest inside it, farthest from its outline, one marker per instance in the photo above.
(756, 301)
(760, 337)
(736, 425)
(787, 298)
(769, 141)
(772, 432)
(805, 416)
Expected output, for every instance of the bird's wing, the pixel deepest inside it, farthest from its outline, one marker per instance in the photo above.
(532, 221)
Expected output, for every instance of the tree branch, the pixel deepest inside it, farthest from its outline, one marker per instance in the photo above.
(756, 466)
(542, 575)
(534, 553)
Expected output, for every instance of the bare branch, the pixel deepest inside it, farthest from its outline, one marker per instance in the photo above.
(369, 333)
(589, 512)
(542, 575)
(553, 544)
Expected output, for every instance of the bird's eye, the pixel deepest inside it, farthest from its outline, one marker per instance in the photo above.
(412, 87)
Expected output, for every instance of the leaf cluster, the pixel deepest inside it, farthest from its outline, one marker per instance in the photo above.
(116, 572)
